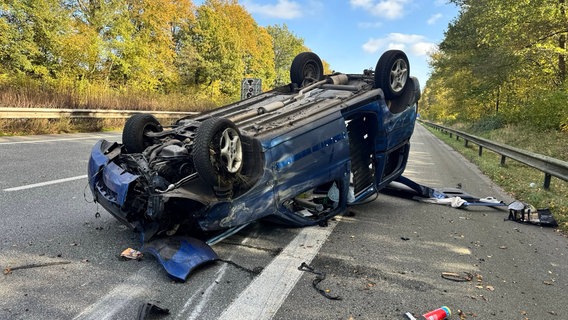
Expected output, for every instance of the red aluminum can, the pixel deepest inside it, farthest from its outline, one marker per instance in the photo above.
(438, 314)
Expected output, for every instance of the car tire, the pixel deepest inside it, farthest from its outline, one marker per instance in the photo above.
(134, 136)
(306, 68)
(218, 152)
(392, 73)
(410, 96)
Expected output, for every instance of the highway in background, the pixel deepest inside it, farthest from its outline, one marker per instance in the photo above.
(383, 259)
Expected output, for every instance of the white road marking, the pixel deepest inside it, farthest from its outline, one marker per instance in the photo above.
(46, 183)
(206, 295)
(120, 297)
(57, 140)
(189, 301)
(266, 293)
(260, 300)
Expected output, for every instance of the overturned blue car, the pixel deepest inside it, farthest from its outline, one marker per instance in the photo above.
(296, 155)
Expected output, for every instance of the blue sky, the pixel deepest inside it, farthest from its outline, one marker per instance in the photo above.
(351, 34)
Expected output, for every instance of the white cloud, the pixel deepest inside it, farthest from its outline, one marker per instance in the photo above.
(373, 45)
(390, 9)
(423, 48)
(362, 3)
(283, 9)
(416, 44)
(369, 25)
(434, 18)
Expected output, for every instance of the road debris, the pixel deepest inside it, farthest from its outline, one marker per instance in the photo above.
(320, 276)
(409, 316)
(458, 277)
(527, 213)
(8, 270)
(438, 314)
(131, 254)
(148, 308)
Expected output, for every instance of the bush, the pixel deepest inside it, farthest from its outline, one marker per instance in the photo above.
(488, 123)
(546, 110)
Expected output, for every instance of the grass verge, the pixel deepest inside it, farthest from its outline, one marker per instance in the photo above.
(522, 182)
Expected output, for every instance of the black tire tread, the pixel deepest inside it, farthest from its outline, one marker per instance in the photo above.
(383, 69)
(206, 132)
(133, 133)
(297, 68)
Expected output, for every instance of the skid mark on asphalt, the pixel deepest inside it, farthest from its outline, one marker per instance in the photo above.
(266, 293)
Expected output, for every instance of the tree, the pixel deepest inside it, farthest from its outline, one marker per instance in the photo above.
(286, 46)
(32, 34)
(499, 54)
(223, 46)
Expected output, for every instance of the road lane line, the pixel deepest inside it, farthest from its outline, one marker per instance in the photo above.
(266, 293)
(57, 140)
(207, 294)
(122, 296)
(46, 183)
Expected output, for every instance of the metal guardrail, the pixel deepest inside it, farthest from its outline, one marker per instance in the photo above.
(48, 113)
(550, 166)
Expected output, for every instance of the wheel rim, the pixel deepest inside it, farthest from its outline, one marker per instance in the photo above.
(398, 75)
(311, 72)
(231, 150)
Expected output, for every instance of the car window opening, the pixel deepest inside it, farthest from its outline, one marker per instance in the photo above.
(361, 149)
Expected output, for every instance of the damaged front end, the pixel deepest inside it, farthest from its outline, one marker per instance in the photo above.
(134, 189)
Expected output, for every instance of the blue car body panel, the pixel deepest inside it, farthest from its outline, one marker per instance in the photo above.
(180, 255)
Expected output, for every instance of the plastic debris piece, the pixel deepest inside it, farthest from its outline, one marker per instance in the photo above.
(438, 314)
(148, 308)
(132, 254)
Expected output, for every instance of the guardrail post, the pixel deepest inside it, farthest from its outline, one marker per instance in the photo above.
(465, 143)
(503, 160)
(450, 135)
(480, 150)
(546, 184)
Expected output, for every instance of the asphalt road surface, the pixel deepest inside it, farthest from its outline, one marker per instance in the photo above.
(382, 260)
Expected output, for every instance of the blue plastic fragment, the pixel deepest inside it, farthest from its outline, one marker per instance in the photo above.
(180, 255)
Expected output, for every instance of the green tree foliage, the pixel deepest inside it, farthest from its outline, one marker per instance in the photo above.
(32, 34)
(286, 47)
(223, 46)
(139, 46)
(499, 58)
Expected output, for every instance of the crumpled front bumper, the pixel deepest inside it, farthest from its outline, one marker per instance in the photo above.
(109, 183)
